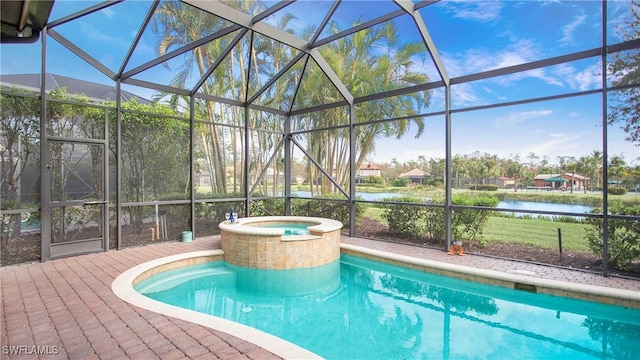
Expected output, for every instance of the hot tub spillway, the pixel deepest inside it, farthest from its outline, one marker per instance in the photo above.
(253, 242)
(291, 283)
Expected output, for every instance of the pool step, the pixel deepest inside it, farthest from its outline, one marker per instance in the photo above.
(176, 277)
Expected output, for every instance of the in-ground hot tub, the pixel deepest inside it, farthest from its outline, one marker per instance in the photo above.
(281, 242)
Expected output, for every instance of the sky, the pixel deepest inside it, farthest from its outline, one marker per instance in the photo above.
(470, 37)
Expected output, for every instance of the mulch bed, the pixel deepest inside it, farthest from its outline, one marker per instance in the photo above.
(570, 259)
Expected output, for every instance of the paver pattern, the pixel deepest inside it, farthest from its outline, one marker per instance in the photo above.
(65, 309)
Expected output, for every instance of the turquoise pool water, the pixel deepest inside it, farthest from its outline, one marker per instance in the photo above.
(361, 309)
(290, 228)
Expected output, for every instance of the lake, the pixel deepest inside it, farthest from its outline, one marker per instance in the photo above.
(365, 196)
(505, 204)
(543, 206)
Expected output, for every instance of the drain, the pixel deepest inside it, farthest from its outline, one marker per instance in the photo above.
(525, 287)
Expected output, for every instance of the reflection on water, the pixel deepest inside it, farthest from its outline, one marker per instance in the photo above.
(504, 204)
(369, 310)
(363, 195)
(544, 206)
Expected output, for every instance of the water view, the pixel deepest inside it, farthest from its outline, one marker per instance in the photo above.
(364, 195)
(543, 206)
(504, 204)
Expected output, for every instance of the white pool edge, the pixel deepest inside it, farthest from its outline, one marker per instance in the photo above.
(122, 286)
(243, 225)
(548, 286)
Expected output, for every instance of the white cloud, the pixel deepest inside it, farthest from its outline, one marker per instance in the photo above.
(484, 59)
(574, 77)
(535, 73)
(507, 59)
(100, 36)
(589, 78)
(463, 95)
(109, 13)
(410, 154)
(515, 118)
(569, 29)
(425, 66)
(482, 11)
(560, 144)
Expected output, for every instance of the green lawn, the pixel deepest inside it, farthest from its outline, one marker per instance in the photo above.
(537, 233)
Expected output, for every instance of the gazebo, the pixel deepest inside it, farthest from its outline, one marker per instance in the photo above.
(556, 180)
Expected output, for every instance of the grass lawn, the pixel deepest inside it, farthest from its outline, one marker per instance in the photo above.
(532, 232)
(538, 233)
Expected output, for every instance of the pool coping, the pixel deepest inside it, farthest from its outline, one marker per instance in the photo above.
(241, 226)
(580, 291)
(122, 286)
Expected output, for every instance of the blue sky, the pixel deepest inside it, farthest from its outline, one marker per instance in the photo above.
(471, 36)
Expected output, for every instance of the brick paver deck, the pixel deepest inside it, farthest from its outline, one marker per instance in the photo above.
(65, 308)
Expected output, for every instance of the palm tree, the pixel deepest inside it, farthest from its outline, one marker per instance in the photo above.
(617, 167)
(460, 166)
(572, 166)
(179, 25)
(562, 161)
(594, 164)
(490, 164)
(532, 160)
(635, 174)
(515, 170)
(365, 72)
(475, 167)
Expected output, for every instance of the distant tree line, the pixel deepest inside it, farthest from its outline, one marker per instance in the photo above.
(480, 168)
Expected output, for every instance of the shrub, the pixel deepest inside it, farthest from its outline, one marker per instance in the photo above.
(373, 179)
(489, 187)
(616, 190)
(400, 182)
(216, 210)
(416, 221)
(438, 183)
(405, 220)
(266, 207)
(469, 223)
(333, 206)
(434, 222)
(623, 236)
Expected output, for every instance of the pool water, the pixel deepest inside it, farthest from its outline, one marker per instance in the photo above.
(361, 309)
(290, 228)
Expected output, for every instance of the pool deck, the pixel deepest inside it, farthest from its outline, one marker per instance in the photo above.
(65, 308)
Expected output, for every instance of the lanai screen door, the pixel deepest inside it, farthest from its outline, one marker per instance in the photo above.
(77, 197)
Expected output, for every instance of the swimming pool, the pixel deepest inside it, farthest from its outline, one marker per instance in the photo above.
(366, 309)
